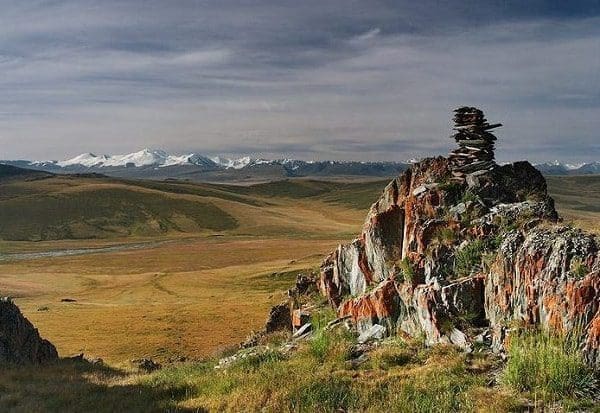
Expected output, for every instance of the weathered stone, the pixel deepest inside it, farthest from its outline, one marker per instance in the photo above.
(299, 318)
(279, 318)
(302, 331)
(376, 307)
(547, 277)
(375, 332)
(20, 342)
(400, 272)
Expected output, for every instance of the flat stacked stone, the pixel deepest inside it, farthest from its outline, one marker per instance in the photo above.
(475, 152)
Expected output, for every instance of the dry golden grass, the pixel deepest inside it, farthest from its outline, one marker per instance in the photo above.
(186, 298)
(184, 294)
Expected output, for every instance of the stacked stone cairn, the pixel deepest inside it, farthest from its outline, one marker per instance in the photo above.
(475, 152)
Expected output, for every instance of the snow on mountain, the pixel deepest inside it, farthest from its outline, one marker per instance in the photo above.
(85, 159)
(233, 163)
(292, 167)
(142, 158)
(145, 157)
(189, 159)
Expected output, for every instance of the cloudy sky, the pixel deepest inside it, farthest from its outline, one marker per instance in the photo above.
(324, 79)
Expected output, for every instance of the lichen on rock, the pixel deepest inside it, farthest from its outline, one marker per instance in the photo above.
(444, 252)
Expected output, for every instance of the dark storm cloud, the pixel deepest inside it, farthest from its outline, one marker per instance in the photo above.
(316, 79)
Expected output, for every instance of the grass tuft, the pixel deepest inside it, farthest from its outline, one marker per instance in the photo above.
(548, 365)
(468, 258)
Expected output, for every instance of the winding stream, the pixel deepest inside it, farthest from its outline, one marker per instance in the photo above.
(78, 251)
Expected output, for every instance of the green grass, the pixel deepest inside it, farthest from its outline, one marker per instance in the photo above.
(547, 365)
(421, 379)
(91, 214)
(356, 195)
(76, 207)
(468, 258)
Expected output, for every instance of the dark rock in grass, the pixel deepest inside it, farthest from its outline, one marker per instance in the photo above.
(146, 365)
(68, 300)
(279, 318)
(306, 284)
(20, 342)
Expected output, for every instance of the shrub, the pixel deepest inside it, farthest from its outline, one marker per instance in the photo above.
(578, 268)
(468, 258)
(548, 365)
(319, 345)
(407, 271)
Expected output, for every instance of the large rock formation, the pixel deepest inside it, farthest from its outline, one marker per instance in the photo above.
(442, 257)
(20, 342)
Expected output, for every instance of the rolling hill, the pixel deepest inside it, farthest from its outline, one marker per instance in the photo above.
(93, 206)
(36, 205)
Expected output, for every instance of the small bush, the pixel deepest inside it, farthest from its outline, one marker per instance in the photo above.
(578, 268)
(468, 258)
(548, 365)
(407, 271)
(320, 345)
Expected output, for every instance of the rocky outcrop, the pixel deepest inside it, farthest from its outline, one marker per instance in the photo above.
(548, 277)
(20, 342)
(441, 257)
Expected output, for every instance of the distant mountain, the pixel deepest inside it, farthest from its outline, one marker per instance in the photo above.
(158, 164)
(10, 171)
(558, 168)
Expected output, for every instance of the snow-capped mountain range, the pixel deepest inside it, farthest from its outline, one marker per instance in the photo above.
(558, 168)
(158, 164)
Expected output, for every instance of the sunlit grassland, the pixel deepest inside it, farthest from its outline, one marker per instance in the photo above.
(204, 288)
(577, 199)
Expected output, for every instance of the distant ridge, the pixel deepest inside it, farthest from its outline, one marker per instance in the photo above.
(158, 164)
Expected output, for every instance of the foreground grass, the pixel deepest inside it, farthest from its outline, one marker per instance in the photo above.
(320, 375)
(425, 381)
(548, 366)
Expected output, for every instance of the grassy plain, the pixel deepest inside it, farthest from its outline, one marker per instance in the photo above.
(190, 290)
(217, 257)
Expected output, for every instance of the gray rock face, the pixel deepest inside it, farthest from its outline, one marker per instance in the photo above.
(442, 258)
(375, 332)
(20, 342)
(348, 265)
(547, 277)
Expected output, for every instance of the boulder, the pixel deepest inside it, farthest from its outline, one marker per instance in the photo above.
(146, 365)
(375, 332)
(20, 341)
(279, 318)
(547, 277)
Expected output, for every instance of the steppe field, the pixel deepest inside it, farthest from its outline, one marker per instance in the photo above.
(122, 269)
(190, 269)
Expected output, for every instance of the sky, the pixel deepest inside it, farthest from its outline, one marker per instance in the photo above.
(326, 79)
